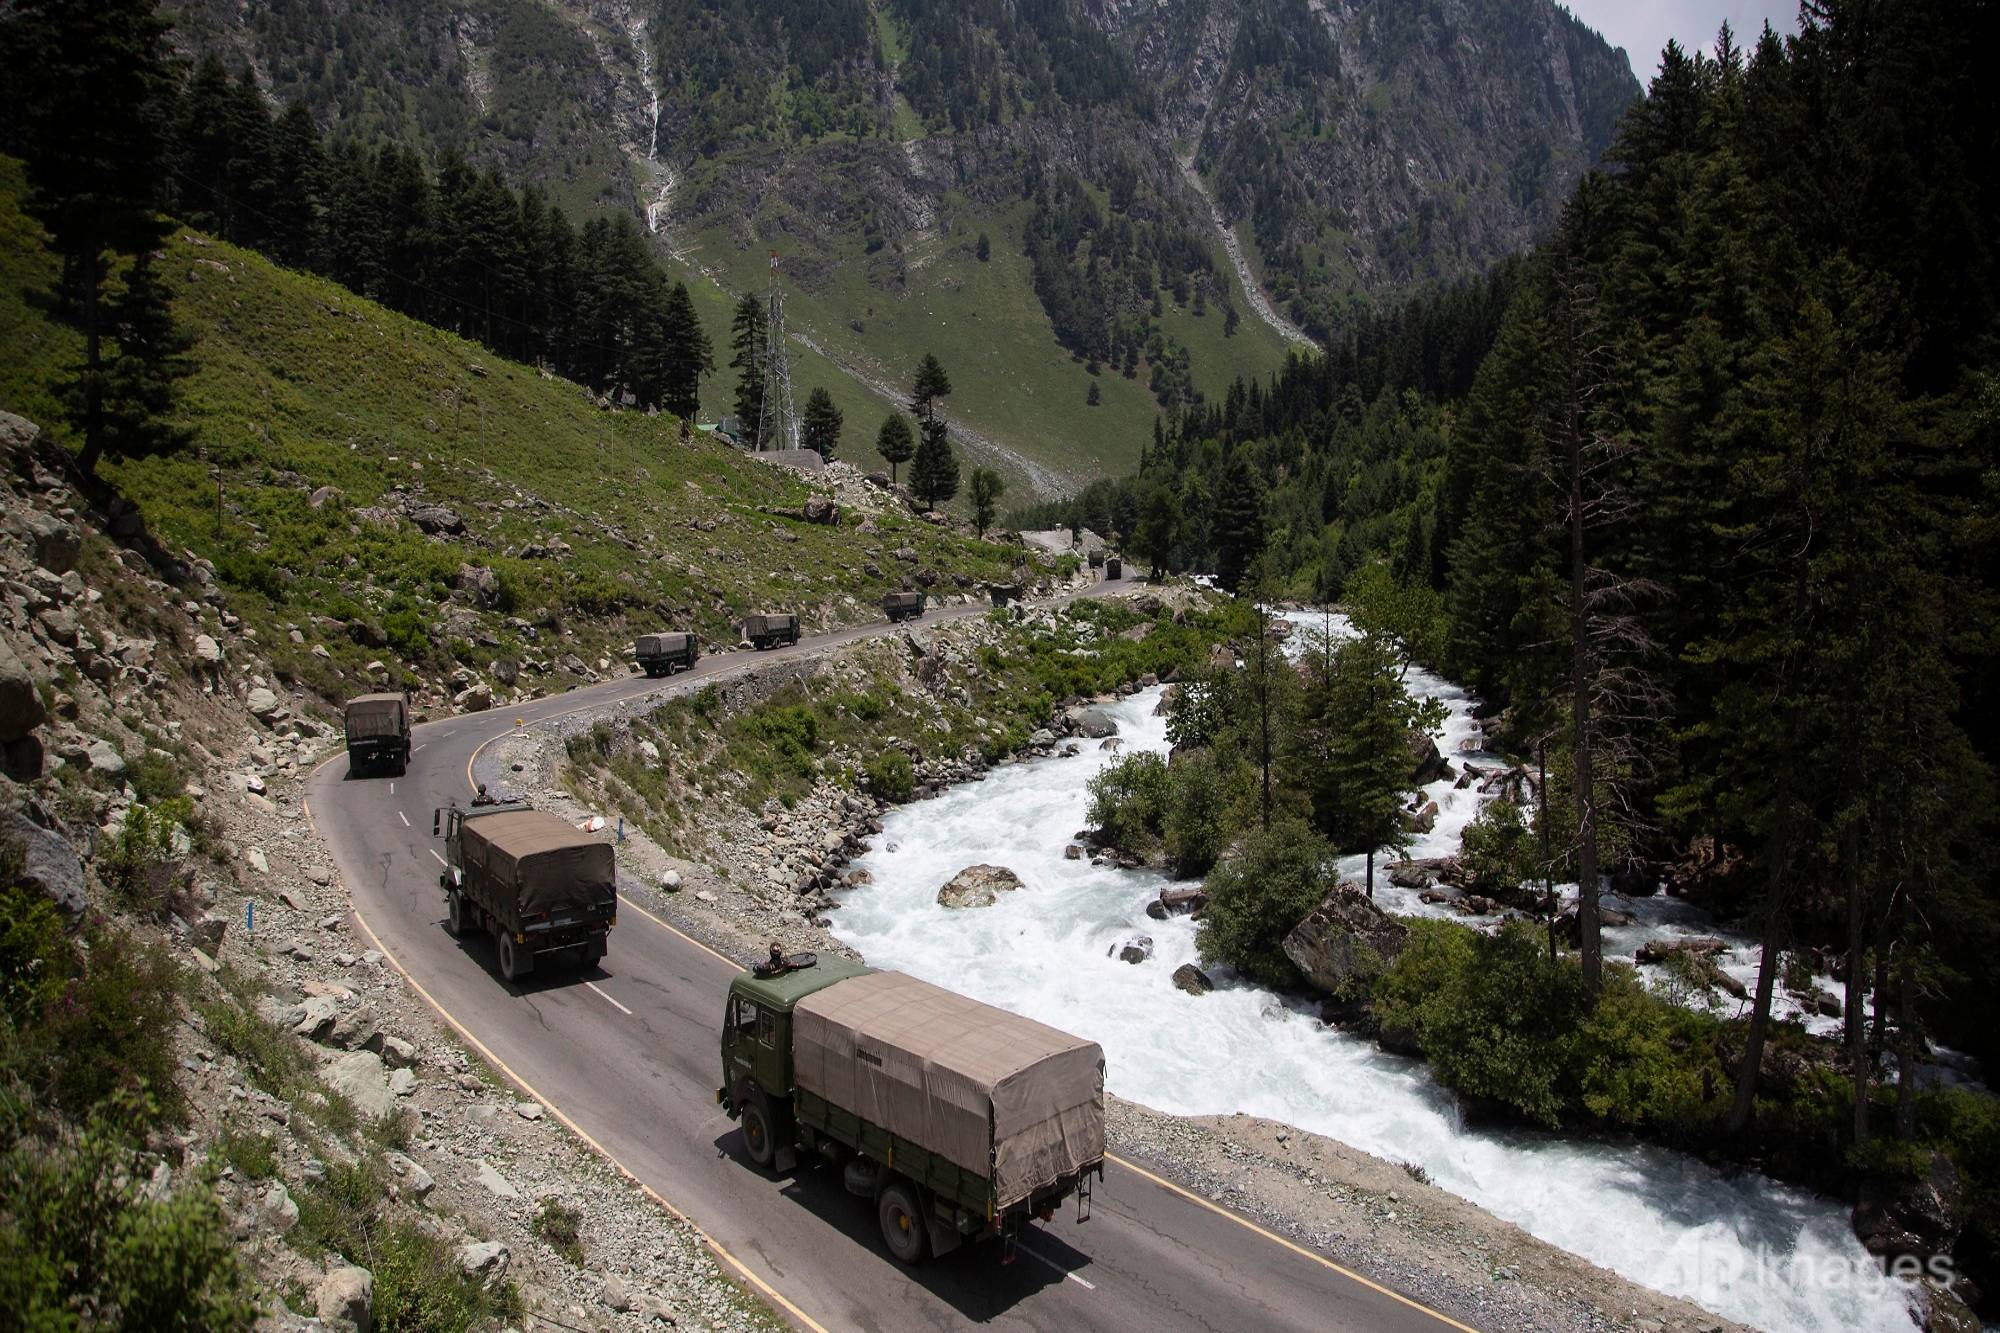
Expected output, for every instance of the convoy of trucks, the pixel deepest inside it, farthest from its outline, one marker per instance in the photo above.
(957, 1120)
(378, 733)
(664, 654)
(905, 605)
(533, 882)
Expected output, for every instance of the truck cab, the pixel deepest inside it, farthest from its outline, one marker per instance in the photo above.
(757, 1039)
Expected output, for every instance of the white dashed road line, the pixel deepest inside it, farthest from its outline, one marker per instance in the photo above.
(608, 1000)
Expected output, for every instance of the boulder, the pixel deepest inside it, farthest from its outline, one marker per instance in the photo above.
(1136, 949)
(437, 520)
(1073, 852)
(1189, 978)
(819, 509)
(49, 865)
(1182, 902)
(263, 704)
(496, 1184)
(1659, 951)
(484, 1261)
(978, 886)
(346, 1297)
(1918, 1215)
(104, 758)
(323, 496)
(475, 698)
(22, 760)
(21, 707)
(1422, 820)
(398, 1053)
(360, 1077)
(480, 583)
(1344, 941)
(315, 1019)
(1092, 723)
(1410, 874)
(412, 1179)
(207, 651)
(1427, 763)
(276, 1211)
(56, 544)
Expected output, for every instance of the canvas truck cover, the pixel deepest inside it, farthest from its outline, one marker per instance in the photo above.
(543, 860)
(375, 715)
(989, 1091)
(655, 645)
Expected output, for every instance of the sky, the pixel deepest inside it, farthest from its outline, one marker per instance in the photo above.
(1643, 27)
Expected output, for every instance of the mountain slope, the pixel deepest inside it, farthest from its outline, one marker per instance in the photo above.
(1355, 150)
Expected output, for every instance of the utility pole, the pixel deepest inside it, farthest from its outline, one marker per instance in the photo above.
(777, 424)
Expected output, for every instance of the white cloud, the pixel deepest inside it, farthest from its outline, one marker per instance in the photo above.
(1643, 27)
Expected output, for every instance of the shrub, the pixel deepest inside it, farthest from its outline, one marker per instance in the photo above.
(1206, 799)
(254, 1156)
(1258, 895)
(109, 1032)
(1645, 1063)
(562, 1227)
(1497, 852)
(890, 776)
(1128, 803)
(78, 1233)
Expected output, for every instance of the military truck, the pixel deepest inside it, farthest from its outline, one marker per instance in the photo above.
(904, 605)
(1004, 594)
(958, 1121)
(378, 733)
(664, 654)
(1114, 569)
(771, 629)
(530, 880)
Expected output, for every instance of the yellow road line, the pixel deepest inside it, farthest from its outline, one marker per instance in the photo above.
(1276, 1239)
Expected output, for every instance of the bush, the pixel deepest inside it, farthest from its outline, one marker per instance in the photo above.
(1643, 1063)
(1497, 852)
(562, 1227)
(890, 776)
(1128, 803)
(107, 1034)
(1258, 895)
(419, 1287)
(1206, 801)
(78, 1234)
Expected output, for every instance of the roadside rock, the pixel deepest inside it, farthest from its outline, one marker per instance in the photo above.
(413, 1180)
(1345, 940)
(978, 886)
(347, 1295)
(276, 1211)
(21, 708)
(1189, 978)
(49, 864)
(484, 1261)
(263, 704)
(473, 698)
(496, 1184)
(360, 1077)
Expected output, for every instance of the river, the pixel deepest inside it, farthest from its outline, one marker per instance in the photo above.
(1745, 1246)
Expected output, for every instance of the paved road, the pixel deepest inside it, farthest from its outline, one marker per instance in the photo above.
(626, 1054)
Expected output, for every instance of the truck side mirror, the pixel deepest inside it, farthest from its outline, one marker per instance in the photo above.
(436, 816)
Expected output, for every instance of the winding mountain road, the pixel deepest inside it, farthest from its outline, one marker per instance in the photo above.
(625, 1053)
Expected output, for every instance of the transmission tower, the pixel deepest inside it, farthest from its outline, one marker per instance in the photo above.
(777, 424)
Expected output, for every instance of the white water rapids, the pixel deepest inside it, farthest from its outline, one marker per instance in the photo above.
(1745, 1247)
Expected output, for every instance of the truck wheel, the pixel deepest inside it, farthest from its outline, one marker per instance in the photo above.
(454, 913)
(758, 1140)
(515, 962)
(902, 1225)
(593, 953)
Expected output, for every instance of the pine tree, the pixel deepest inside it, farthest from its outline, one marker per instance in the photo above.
(985, 489)
(746, 338)
(931, 385)
(689, 356)
(141, 382)
(822, 422)
(983, 248)
(298, 230)
(934, 471)
(895, 443)
(1238, 525)
(1094, 396)
(1158, 529)
(95, 87)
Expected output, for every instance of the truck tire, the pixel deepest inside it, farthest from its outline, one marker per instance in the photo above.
(455, 915)
(903, 1229)
(593, 952)
(515, 962)
(760, 1141)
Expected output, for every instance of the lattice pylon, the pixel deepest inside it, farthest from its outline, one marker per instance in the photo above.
(777, 423)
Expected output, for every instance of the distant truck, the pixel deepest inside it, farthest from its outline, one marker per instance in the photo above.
(958, 1121)
(530, 880)
(1004, 594)
(664, 654)
(903, 605)
(1114, 569)
(378, 733)
(771, 629)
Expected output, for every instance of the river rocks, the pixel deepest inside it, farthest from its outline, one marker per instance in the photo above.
(1427, 763)
(1073, 852)
(1176, 902)
(1136, 949)
(1092, 723)
(346, 1296)
(1422, 820)
(1659, 951)
(1918, 1217)
(1345, 940)
(1189, 978)
(978, 886)
(360, 1077)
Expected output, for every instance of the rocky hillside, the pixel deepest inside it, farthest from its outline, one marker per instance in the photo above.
(1079, 205)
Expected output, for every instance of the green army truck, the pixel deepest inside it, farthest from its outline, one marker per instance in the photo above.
(905, 605)
(957, 1120)
(378, 733)
(533, 882)
(771, 629)
(664, 654)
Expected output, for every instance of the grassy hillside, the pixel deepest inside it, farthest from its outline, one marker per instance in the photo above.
(301, 385)
(1010, 379)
